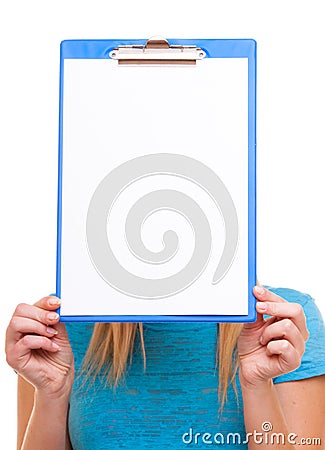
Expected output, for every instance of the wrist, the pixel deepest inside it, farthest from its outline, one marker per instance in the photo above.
(57, 407)
(255, 384)
(56, 397)
(60, 391)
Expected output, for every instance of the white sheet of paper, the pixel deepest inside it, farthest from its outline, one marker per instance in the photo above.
(113, 114)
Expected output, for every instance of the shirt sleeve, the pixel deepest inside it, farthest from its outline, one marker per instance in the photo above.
(313, 360)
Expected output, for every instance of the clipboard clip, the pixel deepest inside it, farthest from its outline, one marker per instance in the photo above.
(157, 50)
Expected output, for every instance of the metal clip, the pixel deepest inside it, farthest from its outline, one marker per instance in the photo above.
(157, 50)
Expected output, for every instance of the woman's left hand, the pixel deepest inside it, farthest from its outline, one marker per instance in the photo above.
(273, 346)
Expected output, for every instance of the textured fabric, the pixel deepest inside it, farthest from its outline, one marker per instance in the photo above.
(176, 397)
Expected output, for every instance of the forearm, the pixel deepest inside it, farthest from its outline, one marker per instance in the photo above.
(47, 427)
(262, 406)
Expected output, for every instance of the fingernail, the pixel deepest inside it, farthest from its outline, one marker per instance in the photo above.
(261, 306)
(53, 316)
(261, 339)
(259, 290)
(56, 346)
(54, 301)
(51, 330)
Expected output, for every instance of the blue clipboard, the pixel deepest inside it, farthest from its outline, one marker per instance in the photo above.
(83, 275)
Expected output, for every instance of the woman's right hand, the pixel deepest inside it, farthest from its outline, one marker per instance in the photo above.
(38, 347)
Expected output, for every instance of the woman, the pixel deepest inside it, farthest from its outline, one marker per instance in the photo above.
(65, 401)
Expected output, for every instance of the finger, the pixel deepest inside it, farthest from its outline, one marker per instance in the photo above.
(263, 294)
(36, 313)
(284, 329)
(289, 358)
(293, 311)
(23, 325)
(30, 342)
(15, 358)
(50, 302)
(297, 313)
(258, 291)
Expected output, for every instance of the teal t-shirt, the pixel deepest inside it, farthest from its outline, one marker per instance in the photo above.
(174, 403)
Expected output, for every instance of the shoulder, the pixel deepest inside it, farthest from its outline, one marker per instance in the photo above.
(313, 315)
(292, 295)
(313, 361)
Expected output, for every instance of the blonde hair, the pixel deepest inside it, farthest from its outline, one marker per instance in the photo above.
(111, 347)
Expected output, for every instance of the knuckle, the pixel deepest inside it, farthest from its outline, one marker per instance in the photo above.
(40, 315)
(287, 325)
(285, 345)
(39, 328)
(298, 310)
(20, 308)
(35, 327)
(14, 323)
(43, 303)
(27, 340)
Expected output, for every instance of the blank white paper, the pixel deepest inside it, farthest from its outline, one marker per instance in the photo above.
(115, 114)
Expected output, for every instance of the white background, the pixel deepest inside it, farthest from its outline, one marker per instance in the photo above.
(290, 133)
